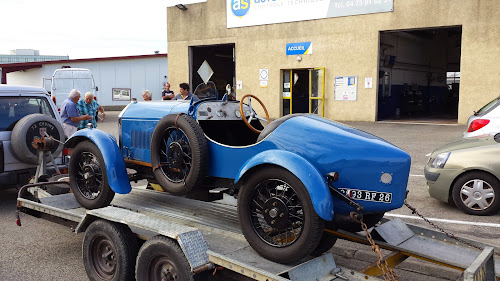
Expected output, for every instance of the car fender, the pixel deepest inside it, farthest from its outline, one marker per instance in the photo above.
(302, 169)
(113, 159)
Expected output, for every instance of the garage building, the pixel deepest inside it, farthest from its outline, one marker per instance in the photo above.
(349, 60)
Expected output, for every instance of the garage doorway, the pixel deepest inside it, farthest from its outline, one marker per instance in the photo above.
(418, 71)
(221, 60)
(303, 91)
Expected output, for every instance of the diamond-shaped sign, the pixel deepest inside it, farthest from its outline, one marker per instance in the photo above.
(205, 71)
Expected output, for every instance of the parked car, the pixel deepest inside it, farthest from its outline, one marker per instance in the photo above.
(467, 173)
(486, 121)
(288, 175)
(26, 113)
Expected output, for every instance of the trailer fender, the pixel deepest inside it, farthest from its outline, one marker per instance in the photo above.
(113, 159)
(302, 169)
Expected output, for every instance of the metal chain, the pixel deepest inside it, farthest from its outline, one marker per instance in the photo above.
(388, 273)
(450, 235)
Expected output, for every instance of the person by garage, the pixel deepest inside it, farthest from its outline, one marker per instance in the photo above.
(70, 115)
(167, 94)
(184, 93)
(89, 106)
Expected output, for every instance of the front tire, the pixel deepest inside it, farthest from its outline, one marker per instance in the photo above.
(477, 193)
(109, 251)
(88, 178)
(277, 216)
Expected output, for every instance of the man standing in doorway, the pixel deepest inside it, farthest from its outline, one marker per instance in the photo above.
(184, 93)
(70, 115)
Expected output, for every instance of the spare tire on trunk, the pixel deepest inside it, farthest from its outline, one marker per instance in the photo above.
(179, 153)
(35, 126)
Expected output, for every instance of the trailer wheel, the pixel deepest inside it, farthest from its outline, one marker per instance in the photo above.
(179, 153)
(88, 178)
(277, 216)
(109, 251)
(161, 258)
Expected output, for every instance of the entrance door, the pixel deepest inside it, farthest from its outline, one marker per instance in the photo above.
(303, 91)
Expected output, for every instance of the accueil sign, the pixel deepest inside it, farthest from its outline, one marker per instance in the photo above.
(258, 12)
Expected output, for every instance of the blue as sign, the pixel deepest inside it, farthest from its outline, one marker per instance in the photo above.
(301, 48)
(240, 7)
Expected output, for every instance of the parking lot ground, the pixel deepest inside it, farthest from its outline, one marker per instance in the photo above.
(43, 250)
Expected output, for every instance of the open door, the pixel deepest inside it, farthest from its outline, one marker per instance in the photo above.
(303, 91)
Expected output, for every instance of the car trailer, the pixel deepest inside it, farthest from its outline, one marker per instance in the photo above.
(185, 237)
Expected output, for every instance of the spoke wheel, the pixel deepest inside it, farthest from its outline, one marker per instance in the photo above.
(88, 178)
(179, 154)
(476, 193)
(175, 155)
(277, 213)
(277, 216)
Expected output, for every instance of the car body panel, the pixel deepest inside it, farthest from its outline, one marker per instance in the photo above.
(302, 169)
(469, 154)
(113, 161)
(491, 112)
(319, 146)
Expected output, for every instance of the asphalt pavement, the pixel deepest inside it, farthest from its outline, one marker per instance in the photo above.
(42, 250)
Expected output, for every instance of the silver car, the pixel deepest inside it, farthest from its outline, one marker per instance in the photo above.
(486, 121)
(467, 173)
(26, 114)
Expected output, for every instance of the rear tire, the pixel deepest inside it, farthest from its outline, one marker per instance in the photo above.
(327, 241)
(88, 178)
(277, 216)
(109, 251)
(161, 258)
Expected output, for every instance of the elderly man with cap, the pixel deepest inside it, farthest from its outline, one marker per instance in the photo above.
(89, 106)
(70, 115)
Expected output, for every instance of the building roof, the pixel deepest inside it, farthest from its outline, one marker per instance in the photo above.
(40, 63)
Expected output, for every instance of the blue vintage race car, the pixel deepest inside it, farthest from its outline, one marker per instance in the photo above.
(293, 177)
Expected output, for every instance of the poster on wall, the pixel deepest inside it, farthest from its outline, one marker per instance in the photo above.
(259, 12)
(346, 88)
(121, 94)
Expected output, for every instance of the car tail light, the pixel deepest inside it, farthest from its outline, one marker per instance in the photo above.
(477, 124)
(66, 152)
(54, 99)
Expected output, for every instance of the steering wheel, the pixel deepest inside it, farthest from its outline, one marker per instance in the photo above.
(252, 112)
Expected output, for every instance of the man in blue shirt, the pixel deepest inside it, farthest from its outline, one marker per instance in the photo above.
(70, 115)
(89, 106)
(185, 94)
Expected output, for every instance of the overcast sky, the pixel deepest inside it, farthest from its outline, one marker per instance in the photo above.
(84, 29)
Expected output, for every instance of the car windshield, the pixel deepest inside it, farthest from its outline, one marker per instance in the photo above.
(206, 91)
(14, 108)
(487, 107)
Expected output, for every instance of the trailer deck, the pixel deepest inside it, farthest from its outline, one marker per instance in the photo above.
(150, 213)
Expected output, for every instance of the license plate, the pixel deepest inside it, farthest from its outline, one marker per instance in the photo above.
(365, 195)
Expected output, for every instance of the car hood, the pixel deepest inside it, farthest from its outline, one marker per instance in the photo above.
(466, 143)
(154, 110)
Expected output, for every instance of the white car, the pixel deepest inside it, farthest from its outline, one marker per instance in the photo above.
(26, 114)
(486, 121)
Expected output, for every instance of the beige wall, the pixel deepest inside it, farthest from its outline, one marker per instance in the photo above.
(344, 46)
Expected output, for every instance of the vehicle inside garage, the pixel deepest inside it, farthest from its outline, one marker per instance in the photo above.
(419, 74)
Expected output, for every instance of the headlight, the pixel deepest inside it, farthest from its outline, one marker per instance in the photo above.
(439, 161)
